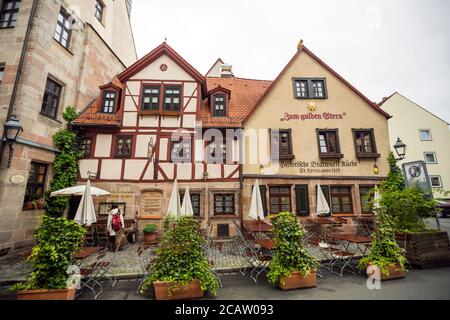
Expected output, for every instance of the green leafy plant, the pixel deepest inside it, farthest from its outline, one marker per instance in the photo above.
(385, 252)
(65, 165)
(57, 240)
(180, 259)
(406, 207)
(290, 255)
(150, 228)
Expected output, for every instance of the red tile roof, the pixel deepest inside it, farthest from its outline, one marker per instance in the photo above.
(91, 114)
(245, 93)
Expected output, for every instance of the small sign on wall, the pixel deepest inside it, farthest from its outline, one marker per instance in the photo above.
(17, 179)
(416, 175)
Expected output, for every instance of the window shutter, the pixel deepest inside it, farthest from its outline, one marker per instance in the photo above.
(263, 190)
(302, 200)
(326, 193)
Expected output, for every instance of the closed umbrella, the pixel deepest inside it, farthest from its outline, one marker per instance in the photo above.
(256, 206)
(186, 208)
(323, 208)
(79, 191)
(86, 211)
(376, 200)
(174, 203)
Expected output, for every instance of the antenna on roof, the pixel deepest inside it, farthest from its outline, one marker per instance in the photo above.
(165, 39)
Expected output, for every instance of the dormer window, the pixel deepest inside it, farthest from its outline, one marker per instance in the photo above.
(219, 98)
(109, 101)
(219, 105)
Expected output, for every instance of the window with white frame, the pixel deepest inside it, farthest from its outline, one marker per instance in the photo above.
(430, 157)
(425, 135)
(436, 181)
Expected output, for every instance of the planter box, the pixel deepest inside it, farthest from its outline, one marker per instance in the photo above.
(297, 281)
(150, 238)
(169, 291)
(426, 249)
(65, 294)
(395, 272)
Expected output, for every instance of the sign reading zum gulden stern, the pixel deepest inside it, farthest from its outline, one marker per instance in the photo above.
(312, 116)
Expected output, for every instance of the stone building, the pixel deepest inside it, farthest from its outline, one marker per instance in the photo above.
(53, 53)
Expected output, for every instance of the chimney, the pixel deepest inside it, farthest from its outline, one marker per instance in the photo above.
(226, 71)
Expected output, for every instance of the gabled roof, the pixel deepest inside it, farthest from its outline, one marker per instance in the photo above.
(397, 93)
(220, 89)
(244, 95)
(301, 49)
(219, 60)
(162, 49)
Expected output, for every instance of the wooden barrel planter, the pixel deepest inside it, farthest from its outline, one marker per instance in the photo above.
(426, 249)
(65, 294)
(297, 281)
(174, 291)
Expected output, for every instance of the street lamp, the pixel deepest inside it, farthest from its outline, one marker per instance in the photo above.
(12, 130)
(400, 149)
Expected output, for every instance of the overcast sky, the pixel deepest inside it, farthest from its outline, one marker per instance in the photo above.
(380, 46)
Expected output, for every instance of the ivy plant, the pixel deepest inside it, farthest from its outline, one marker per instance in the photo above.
(290, 254)
(65, 165)
(180, 259)
(385, 253)
(57, 239)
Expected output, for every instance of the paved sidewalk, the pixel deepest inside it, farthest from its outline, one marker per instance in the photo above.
(432, 284)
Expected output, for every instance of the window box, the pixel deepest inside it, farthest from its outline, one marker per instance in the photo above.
(331, 156)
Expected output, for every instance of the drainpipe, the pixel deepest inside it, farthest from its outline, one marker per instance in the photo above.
(19, 70)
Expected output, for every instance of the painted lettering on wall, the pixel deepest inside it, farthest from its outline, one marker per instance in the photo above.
(319, 167)
(312, 116)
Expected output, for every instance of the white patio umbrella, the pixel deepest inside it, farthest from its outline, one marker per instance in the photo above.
(79, 191)
(256, 206)
(174, 203)
(376, 200)
(86, 211)
(186, 207)
(322, 205)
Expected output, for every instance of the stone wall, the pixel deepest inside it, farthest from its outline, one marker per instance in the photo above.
(81, 69)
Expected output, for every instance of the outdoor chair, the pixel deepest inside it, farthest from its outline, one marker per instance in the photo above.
(105, 266)
(145, 263)
(103, 239)
(89, 276)
(264, 257)
(247, 252)
(212, 255)
(89, 239)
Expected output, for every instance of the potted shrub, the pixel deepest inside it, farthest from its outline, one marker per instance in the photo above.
(180, 270)
(150, 233)
(57, 239)
(385, 252)
(292, 267)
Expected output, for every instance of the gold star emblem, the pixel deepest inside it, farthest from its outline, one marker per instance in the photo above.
(312, 106)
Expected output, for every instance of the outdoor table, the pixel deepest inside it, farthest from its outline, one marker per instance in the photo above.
(266, 244)
(322, 221)
(352, 238)
(85, 252)
(257, 226)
